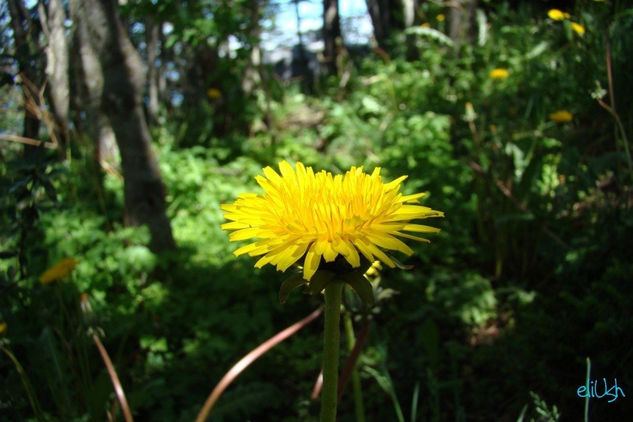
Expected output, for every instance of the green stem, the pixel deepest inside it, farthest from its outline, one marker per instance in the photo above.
(358, 393)
(331, 338)
(587, 386)
(35, 405)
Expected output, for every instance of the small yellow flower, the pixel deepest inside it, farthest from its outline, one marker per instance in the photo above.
(499, 73)
(374, 269)
(561, 116)
(214, 93)
(60, 270)
(558, 15)
(425, 25)
(578, 28)
(440, 17)
(303, 214)
(3, 327)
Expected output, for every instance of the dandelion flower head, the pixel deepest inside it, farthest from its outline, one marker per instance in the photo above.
(558, 15)
(321, 216)
(561, 116)
(499, 73)
(60, 270)
(214, 93)
(578, 28)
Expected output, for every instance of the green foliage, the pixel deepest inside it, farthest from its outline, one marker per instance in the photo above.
(529, 276)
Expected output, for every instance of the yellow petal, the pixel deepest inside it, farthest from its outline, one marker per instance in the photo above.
(420, 228)
(329, 254)
(394, 184)
(247, 249)
(244, 234)
(389, 242)
(410, 198)
(380, 254)
(409, 236)
(234, 225)
(290, 256)
(272, 175)
(346, 249)
(311, 262)
(364, 249)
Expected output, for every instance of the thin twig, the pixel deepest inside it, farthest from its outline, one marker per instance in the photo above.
(251, 357)
(612, 110)
(35, 405)
(508, 194)
(27, 141)
(353, 357)
(118, 388)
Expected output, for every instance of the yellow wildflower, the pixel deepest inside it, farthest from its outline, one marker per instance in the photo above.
(561, 116)
(374, 269)
(425, 25)
(319, 215)
(440, 17)
(558, 15)
(60, 270)
(499, 73)
(578, 28)
(214, 93)
(3, 327)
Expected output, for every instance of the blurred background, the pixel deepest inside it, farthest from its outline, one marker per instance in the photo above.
(124, 126)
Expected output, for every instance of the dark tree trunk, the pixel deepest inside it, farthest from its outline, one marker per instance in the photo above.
(302, 68)
(151, 35)
(166, 56)
(331, 33)
(462, 21)
(383, 19)
(89, 84)
(122, 102)
(252, 76)
(57, 69)
(25, 39)
(408, 13)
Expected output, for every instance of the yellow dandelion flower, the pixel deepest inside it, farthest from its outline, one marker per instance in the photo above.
(499, 73)
(561, 116)
(320, 215)
(440, 17)
(3, 327)
(425, 25)
(578, 28)
(214, 93)
(60, 270)
(558, 15)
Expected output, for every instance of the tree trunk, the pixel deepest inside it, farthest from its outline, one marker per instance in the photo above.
(166, 56)
(462, 21)
(90, 83)
(331, 32)
(408, 13)
(24, 37)
(380, 12)
(57, 69)
(122, 102)
(151, 36)
(252, 77)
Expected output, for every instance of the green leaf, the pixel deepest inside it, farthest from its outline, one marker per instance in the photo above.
(289, 285)
(361, 286)
(319, 280)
